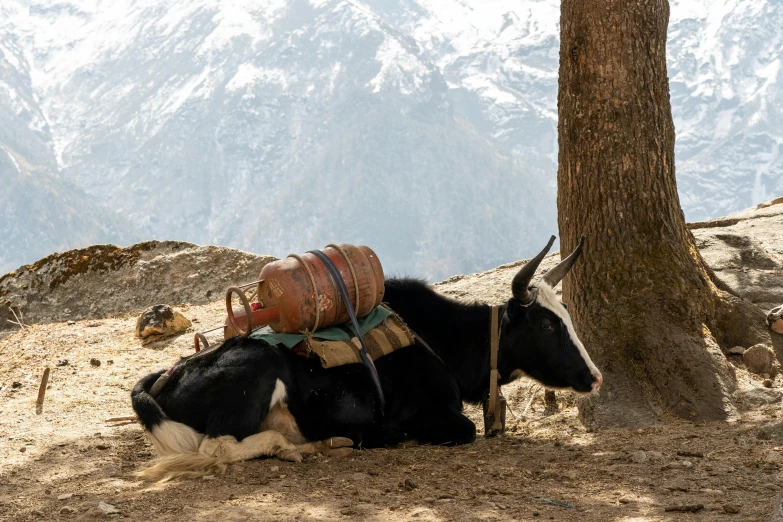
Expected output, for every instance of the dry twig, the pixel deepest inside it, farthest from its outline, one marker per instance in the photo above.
(19, 320)
(42, 392)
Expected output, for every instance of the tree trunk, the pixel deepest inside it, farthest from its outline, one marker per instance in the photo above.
(642, 300)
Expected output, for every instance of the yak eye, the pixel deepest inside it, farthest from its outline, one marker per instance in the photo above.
(546, 326)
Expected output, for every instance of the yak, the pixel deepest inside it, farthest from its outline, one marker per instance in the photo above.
(247, 398)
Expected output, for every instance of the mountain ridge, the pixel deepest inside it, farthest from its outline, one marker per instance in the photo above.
(428, 126)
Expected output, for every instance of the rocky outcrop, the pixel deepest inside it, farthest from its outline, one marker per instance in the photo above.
(745, 251)
(104, 280)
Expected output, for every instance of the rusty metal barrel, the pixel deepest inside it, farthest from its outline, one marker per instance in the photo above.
(298, 293)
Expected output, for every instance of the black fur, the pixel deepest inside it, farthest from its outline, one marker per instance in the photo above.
(229, 391)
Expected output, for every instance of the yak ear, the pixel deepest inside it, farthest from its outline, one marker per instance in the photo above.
(557, 274)
(521, 281)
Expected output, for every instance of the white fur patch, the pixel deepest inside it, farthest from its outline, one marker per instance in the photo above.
(279, 395)
(171, 438)
(547, 298)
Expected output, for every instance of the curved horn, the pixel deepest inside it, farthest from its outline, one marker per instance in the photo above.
(556, 275)
(522, 280)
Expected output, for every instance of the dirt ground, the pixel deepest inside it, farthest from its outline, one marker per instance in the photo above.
(67, 460)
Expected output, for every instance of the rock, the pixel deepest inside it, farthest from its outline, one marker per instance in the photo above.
(64, 496)
(68, 510)
(161, 320)
(639, 457)
(95, 362)
(759, 359)
(731, 509)
(102, 446)
(737, 350)
(758, 397)
(107, 509)
(744, 250)
(360, 476)
(771, 432)
(63, 362)
(105, 280)
(687, 464)
(768, 383)
(409, 484)
(22, 449)
(16, 384)
(655, 456)
(422, 512)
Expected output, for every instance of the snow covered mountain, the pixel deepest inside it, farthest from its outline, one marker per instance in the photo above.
(426, 128)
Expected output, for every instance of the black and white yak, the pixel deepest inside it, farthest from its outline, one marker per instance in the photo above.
(248, 399)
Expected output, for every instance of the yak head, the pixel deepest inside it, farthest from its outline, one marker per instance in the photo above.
(537, 336)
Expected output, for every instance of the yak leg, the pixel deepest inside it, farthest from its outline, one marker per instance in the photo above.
(449, 428)
(268, 443)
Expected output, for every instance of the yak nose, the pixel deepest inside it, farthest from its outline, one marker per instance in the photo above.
(597, 380)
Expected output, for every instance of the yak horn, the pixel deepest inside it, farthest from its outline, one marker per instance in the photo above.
(522, 280)
(557, 274)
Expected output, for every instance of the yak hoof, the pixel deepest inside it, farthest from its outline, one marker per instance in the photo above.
(339, 452)
(336, 447)
(290, 455)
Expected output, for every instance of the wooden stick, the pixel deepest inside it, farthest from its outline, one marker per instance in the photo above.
(121, 419)
(42, 391)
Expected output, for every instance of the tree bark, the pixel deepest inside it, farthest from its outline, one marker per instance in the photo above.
(641, 297)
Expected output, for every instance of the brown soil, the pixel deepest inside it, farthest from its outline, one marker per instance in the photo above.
(548, 467)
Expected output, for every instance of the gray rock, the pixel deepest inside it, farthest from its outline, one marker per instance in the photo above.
(107, 509)
(737, 350)
(639, 457)
(745, 251)
(360, 476)
(161, 320)
(655, 457)
(748, 399)
(771, 432)
(760, 359)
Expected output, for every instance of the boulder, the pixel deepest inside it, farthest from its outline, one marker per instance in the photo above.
(771, 432)
(760, 359)
(161, 320)
(744, 251)
(749, 399)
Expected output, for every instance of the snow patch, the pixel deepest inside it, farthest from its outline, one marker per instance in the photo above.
(248, 75)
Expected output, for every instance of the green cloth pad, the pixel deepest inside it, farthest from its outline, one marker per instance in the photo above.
(334, 333)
